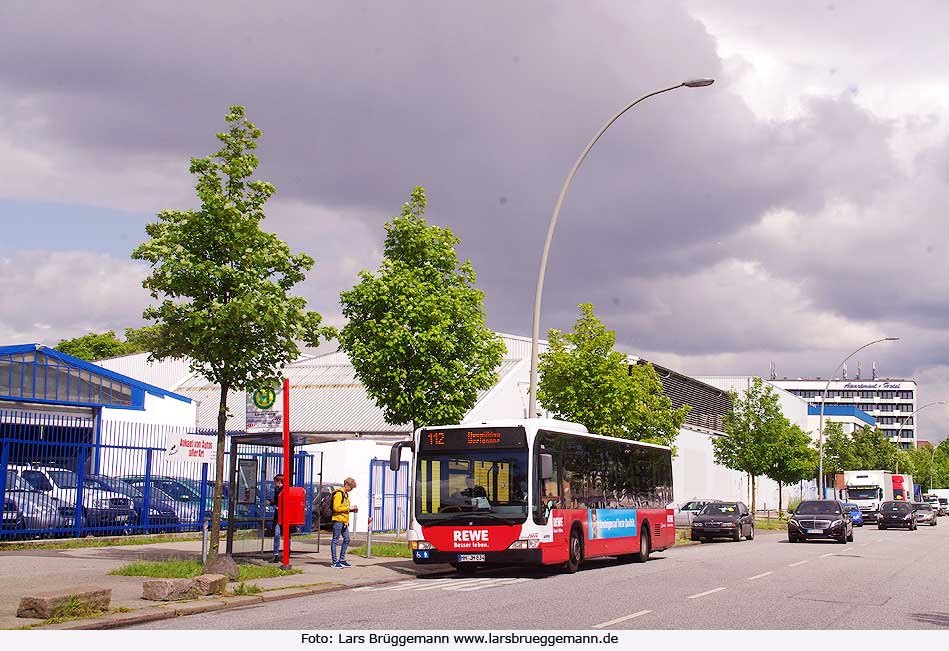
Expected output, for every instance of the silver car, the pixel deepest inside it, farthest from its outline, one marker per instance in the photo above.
(687, 512)
(925, 514)
(41, 512)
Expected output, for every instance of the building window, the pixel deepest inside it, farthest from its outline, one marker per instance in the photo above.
(906, 395)
(887, 395)
(906, 408)
(866, 394)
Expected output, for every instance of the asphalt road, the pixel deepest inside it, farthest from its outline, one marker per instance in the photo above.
(883, 580)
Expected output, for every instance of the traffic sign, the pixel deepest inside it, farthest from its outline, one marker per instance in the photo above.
(265, 410)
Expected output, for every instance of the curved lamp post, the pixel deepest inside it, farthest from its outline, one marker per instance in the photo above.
(900, 430)
(823, 401)
(535, 332)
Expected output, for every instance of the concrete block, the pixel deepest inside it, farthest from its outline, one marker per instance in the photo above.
(170, 589)
(222, 565)
(43, 605)
(211, 583)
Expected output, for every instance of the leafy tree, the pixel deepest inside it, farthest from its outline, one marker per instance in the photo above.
(582, 379)
(94, 346)
(838, 448)
(872, 450)
(795, 458)
(755, 428)
(223, 284)
(416, 335)
(104, 345)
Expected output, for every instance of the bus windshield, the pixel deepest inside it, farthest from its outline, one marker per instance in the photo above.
(485, 484)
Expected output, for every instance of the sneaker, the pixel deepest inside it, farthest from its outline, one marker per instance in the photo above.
(275, 559)
(344, 564)
(336, 566)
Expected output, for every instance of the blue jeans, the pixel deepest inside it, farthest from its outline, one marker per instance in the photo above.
(277, 535)
(339, 529)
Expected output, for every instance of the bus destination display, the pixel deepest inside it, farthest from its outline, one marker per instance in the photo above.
(473, 439)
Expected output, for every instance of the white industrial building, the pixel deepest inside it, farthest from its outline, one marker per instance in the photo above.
(331, 412)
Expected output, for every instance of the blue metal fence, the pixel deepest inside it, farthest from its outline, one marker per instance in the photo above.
(388, 496)
(74, 476)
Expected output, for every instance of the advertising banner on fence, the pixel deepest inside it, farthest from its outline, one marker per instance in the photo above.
(265, 411)
(192, 448)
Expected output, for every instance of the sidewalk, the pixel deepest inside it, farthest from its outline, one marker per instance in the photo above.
(41, 570)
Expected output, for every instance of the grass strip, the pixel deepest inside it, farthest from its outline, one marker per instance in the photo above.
(188, 569)
(384, 549)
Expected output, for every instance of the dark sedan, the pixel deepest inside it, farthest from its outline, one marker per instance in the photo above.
(897, 514)
(723, 520)
(161, 515)
(821, 519)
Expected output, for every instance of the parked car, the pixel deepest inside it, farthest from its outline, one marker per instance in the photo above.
(925, 514)
(42, 513)
(944, 506)
(685, 513)
(817, 519)
(186, 497)
(161, 513)
(723, 519)
(101, 509)
(896, 513)
(856, 515)
(12, 516)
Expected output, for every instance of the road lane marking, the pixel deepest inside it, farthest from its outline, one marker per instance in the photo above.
(796, 564)
(490, 585)
(826, 555)
(758, 576)
(707, 592)
(622, 619)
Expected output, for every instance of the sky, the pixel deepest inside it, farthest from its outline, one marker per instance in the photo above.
(791, 212)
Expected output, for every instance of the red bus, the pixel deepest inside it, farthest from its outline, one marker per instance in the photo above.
(535, 491)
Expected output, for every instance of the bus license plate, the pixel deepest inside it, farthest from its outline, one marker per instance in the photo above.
(471, 558)
(122, 518)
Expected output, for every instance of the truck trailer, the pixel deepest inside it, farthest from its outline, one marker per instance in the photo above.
(868, 489)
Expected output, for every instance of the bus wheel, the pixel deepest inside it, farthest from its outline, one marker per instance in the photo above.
(576, 552)
(645, 547)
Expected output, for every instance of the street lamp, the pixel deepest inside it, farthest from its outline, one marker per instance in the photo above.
(535, 332)
(823, 401)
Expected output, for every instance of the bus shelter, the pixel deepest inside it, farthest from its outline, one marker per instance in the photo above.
(255, 458)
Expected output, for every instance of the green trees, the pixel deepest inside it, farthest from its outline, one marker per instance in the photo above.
(582, 379)
(416, 335)
(103, 345)
(755, 427)
(794, 459)
(222, 284)
(866, 449)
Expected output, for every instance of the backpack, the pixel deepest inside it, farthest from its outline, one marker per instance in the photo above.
(326, 505)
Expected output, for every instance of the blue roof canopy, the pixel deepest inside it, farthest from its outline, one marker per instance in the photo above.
(839, 411)
(36, 373)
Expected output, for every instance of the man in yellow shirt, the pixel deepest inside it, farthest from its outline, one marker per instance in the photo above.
(341, 511)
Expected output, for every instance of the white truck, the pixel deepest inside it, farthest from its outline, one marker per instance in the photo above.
(867, 489)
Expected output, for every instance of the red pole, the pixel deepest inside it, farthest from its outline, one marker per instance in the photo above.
(287, 473)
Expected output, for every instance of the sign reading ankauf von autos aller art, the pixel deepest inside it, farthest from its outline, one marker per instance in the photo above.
(191, 448)
(265, 411)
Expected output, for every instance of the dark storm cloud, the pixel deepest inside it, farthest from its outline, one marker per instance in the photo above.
(487, 105)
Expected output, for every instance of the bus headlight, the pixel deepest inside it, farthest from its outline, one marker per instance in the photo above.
(420, 544)
(525, 544)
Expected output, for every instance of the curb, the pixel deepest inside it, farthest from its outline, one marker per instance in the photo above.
(185, 608)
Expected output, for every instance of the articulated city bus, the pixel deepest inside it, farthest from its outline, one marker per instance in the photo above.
(535, 491)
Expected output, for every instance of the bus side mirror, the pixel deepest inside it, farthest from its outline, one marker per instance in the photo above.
(546, 466)
(395, 457)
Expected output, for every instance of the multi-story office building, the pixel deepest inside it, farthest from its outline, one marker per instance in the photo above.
(891, 402)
